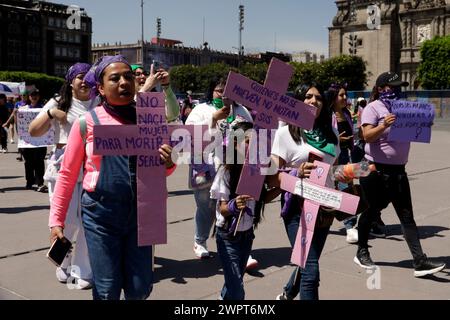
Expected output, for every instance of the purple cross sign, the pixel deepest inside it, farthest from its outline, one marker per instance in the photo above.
(144, 140)
(271, 104)
(315, 195)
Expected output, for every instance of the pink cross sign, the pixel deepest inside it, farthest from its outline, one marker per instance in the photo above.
(271, 104)
(315, 193)
(144, 140)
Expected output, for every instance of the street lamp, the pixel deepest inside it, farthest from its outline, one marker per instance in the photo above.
(241, 27)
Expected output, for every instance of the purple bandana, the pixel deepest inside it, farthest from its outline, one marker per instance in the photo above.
(92, 78)
(75, 70)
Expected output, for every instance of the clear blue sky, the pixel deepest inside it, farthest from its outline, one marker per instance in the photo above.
(295, 24)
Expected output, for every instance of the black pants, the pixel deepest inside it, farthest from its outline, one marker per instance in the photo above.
(34, 165)
(389, 184)
(4, 138)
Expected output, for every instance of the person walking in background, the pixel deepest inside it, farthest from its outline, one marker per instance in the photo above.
(219, 114)
(389, 183)
(34, 156)
(4, 116)
(60, 113)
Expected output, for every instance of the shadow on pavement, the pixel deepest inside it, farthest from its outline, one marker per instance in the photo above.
(408, 264)
(180, 193)
(10, 177)
(22, 209)
(179, 271)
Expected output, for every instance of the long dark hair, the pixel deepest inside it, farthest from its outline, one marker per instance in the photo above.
(374, 95)
(211, 86)
(323, 122)
(64, 99)
(235, 170)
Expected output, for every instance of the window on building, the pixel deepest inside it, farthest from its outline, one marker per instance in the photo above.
(64, 36)
(57, 36)
(57, 51)
(64, 52)
(51, 22)
(77, 38)
(84, 26)
(359, 42)
(71, 37)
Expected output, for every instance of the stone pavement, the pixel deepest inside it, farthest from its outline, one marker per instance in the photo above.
(25, 273)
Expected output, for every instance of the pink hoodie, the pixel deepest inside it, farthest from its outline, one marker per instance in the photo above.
(74, 156)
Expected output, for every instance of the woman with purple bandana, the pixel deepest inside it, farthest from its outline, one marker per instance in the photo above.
(60, 113)
(108, 201)
(390, 182)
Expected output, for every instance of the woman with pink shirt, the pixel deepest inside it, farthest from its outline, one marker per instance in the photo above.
(108, 202)
(390, 182)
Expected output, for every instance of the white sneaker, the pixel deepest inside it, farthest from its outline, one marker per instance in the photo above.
(201, 251)
(62, 275)
(82, 284)
(251, 263)
(352, 235)
(12, 141)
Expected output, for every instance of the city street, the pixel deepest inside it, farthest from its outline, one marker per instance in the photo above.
(25, 273)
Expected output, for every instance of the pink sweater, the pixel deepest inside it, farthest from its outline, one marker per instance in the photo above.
(74, 156)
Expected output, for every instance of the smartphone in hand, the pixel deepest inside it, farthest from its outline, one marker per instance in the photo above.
(58, 251)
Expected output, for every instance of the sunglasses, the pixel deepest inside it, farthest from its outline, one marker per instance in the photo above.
(138, 74)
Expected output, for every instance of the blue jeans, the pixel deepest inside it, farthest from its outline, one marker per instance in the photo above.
(204, 216)
(234, 252)
(306, 281)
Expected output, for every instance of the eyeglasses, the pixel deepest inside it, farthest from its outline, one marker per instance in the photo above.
(138, 74)
(310, 96)
(219, 90)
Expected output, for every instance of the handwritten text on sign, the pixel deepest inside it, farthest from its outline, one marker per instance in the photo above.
(413, 121)
(318, 194)
(24, 118)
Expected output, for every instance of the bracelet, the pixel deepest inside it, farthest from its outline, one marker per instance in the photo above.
(49, 114)
(165, 85)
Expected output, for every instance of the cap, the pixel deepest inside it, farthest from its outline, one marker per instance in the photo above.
(390, 79)
(361, 99)
(34, 91)
(136, 66)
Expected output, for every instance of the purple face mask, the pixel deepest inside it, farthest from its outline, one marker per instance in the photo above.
(75, 70)
(92, 78)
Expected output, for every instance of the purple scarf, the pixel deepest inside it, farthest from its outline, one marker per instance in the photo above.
(76, 69)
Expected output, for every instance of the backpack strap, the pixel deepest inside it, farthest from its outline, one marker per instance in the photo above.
(83, 124)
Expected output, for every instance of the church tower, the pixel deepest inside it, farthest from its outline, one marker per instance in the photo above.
(387, 34)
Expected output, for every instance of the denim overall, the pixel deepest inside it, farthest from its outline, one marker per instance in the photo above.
(110, 222)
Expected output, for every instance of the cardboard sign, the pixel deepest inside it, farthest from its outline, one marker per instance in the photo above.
(413, 121)
(315, 194)
(143, 140)
(271, 104)
(24, 119)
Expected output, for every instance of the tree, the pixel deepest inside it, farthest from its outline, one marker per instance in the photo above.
(434, 69)
(47, 85)
(342, 69)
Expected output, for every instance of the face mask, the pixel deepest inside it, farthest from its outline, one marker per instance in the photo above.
(218, 103)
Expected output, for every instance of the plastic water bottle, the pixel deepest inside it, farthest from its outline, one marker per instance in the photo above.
(348, 172)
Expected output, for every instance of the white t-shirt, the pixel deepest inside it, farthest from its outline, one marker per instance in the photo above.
(296, 153)
(221, 192)
(77, 108)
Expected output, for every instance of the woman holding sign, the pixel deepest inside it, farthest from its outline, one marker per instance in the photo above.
(236, 216)
(390, 182)
(296, 149)
(109, 201)
(60, 113)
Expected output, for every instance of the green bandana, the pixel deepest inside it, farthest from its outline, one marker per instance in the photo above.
(316, 139)
(218, 104)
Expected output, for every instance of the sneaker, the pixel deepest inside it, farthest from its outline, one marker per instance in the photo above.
(201, 251)
(62, 275)
(82, 284)
(251, 263)
(378, 230)
(425, 267)
(12, 141)
(19, 159)
(363, 259)
(4, 150)
(283, 296)
(42, 189)
(352, 235)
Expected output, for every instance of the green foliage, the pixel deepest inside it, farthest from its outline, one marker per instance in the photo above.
(343, 69)
(47, 85)
(434, 69)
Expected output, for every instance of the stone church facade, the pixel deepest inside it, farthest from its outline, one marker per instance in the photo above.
(388, 36)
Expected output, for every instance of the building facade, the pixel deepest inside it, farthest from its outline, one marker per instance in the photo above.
(169, 53)
(387, 34)
(35, 37)
(307, 57)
